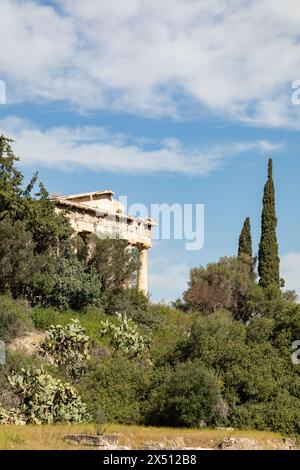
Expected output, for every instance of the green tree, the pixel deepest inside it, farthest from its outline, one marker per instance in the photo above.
(118, 385)
(116, 265)
(253, 362)
(268, 259)
(14, 319)
(186, 396)
(11, 180)
(49, 229)
(18, 261)
(65, 283)
(225, 284)
(217, 339)
(245, 240)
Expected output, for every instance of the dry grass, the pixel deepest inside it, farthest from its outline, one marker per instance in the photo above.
(51, 436)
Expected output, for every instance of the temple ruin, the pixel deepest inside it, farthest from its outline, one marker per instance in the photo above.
(100, 214)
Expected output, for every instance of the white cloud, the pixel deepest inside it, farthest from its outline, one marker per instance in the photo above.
(156, 57)
(290, 270)
(95, 148)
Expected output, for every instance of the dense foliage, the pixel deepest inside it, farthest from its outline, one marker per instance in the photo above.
(187, 395)
(44, 399)
(14, 318)
(11, 181)
(125, 337)
(116, 264)
(268, 259)
(17, 202)
(204, 369)
(42, 260)
(65, 283)
(222, 358)
(18, 262)
(67, 346)
(229, 284)
(245, 240)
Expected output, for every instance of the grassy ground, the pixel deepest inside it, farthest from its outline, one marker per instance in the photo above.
(51, 436)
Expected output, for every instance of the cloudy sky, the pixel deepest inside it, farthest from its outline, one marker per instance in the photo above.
(173, 101)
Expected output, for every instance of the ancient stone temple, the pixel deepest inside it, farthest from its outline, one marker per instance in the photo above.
(99, 213)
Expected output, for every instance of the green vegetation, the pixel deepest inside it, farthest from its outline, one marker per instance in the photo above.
(18, 203)
(14, 318)
(187, 395)
(44, 399)
(268, 259)
(67, 346)
(227, 284)
(66, 283)
(208, 370)
(221, 358)
(245, 240)
(125, 337)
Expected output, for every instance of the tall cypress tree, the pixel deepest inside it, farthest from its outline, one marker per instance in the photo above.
(268, 259)
(245, 240)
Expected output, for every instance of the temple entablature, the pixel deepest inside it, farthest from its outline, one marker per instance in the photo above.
(100, 214)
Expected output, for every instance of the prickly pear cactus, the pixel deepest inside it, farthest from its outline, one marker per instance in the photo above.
(125, 336)
(12, 416)
(45, 399)
(67, 346)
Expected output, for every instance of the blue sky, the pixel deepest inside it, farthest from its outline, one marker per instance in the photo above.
(165, 102)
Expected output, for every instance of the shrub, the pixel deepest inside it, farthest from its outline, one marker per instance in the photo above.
(259, 374)
(67, 346)
(11, 417)
(171, 327)
(260, 330)
(18, 262)
(43, 317)
(125, 337)
(117, 386)
(66, 284)
(287, 326)
(45, 399)
(136, 305)
(217, 339)
(14, 318)
(281, 414)
(16, 360)
(185, 396)
(226, 284)
(115, 264)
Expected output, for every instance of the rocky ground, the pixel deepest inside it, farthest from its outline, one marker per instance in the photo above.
(227, 443)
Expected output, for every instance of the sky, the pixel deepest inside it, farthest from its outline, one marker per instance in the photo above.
(173, 101)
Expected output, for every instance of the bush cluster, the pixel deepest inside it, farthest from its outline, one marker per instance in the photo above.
(222, 357)
(125, 337)
(43, 399)
(67, 346)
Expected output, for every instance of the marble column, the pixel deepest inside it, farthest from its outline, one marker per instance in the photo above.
(142, 280)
